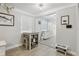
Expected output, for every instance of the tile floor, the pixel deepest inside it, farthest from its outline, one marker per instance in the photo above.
(40, 50)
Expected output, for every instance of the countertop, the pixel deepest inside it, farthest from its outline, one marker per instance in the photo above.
(2, 42)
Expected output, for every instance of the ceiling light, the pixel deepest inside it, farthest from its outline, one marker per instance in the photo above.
(40, 6)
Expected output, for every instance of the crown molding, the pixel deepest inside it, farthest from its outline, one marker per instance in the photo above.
(53, 11)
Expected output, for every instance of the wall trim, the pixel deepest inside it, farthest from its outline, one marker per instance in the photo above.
(53, 11)
(21, 11)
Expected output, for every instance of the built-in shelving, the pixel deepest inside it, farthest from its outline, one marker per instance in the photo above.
(30, 40)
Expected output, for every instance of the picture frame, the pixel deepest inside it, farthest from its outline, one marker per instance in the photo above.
(6, 19)
(65, 20)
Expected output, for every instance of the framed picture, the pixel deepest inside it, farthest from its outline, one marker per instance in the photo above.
(65, 20)
(6, 19)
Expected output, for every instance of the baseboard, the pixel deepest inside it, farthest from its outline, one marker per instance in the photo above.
(17, 45)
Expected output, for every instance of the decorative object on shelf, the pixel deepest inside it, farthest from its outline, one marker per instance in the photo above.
(6, 7)
(34, 41)
(6, 19)
(65, 20)
(25, 41)
(68, 26)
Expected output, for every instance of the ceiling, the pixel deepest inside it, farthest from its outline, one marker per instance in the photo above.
(34, 8)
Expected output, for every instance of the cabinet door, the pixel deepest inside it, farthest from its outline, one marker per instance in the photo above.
(2, 50)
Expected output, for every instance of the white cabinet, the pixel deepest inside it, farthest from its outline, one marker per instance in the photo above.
(2, 48)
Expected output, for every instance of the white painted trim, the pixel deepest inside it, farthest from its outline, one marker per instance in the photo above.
(43, 13)
(14, 46)
(21, 11)
(26, 31)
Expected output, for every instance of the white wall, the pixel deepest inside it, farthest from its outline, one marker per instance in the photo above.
(67, 36)
(12, 34)
(27, 23)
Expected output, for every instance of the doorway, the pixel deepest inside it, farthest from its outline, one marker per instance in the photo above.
(46, 26)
